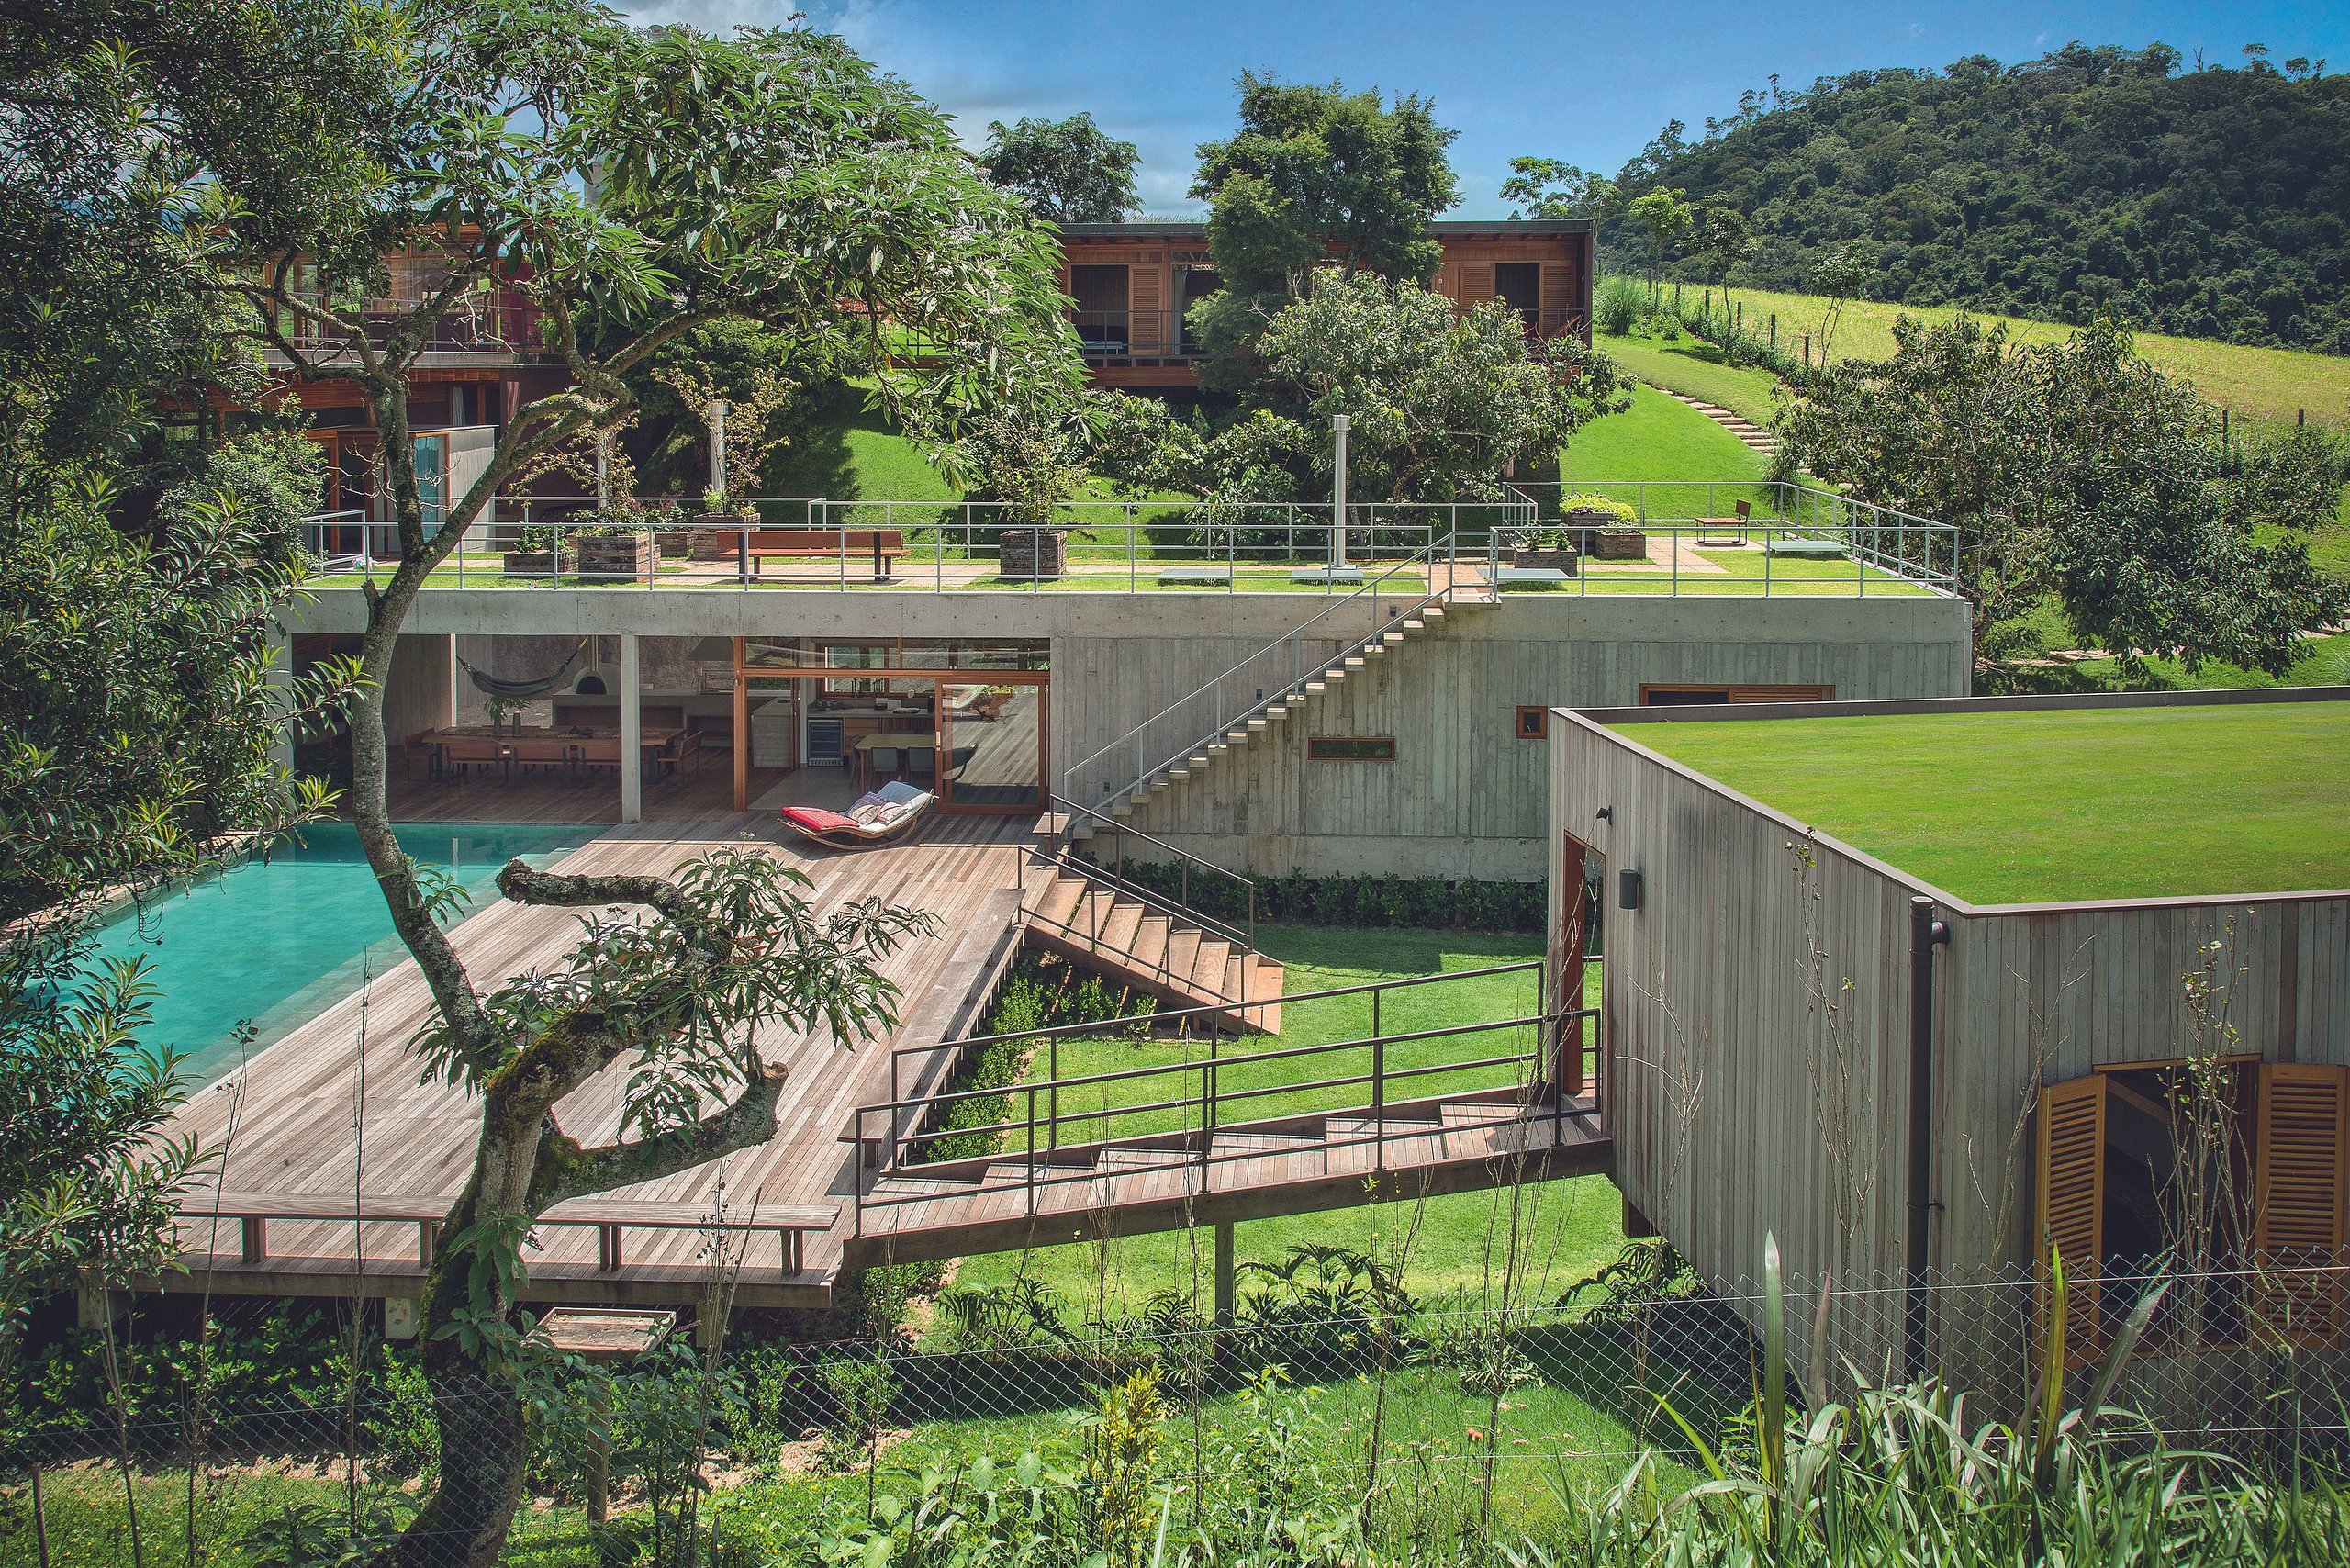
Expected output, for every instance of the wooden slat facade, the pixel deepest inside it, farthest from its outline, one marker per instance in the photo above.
(1727, 1082)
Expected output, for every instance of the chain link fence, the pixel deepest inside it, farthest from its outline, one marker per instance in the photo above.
(1324, 1379)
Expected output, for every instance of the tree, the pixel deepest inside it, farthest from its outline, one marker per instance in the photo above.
(1548, 188)
(773, 177)
(2078, 471)
(1069, 171)
(1722, 240)
(1666, 218)
(1842, 272)
(1443, 406)
(1314, 177)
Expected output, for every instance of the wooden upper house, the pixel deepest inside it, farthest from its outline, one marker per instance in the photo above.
(1132, 281)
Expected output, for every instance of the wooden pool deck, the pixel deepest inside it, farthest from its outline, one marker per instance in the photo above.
(335, 1112)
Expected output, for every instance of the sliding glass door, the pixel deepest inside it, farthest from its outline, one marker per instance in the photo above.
(992, 740)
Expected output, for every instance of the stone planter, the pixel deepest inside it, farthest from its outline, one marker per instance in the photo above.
(717, 535)
(535, 563)
(1562, 559)
(1620, 543)
(1033, 553)
(625, 555)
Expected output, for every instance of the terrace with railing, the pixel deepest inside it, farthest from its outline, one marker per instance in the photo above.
(1741, 538)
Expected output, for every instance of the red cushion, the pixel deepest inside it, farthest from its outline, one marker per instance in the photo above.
(815, 819)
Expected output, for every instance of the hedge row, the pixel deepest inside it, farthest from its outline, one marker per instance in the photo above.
(1425, 902)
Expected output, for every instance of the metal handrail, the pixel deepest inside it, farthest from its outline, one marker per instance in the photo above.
(1293, 640)
(1086, 869)
(1210, 1096)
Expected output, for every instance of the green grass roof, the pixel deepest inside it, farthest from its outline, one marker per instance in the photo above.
(2036, 806)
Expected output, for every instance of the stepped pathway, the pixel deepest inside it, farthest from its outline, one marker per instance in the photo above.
(1264, 720)
(1155, 948)
(1746, 429)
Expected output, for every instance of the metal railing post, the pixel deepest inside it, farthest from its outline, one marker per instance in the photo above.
(1030, 1177)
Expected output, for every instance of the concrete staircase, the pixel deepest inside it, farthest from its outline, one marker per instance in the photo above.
(1128, 935)
(1753, 435)
(1265, 721)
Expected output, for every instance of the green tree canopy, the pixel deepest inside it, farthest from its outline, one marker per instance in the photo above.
(1549, 188)
(1443, 405)
(2078, 471)
(1315, 176)
(1069, 170)
(2211, 202)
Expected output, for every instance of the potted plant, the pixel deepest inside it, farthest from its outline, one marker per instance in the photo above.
(1603, 528)
(536, 553)
(614, 547)
(1026, 469)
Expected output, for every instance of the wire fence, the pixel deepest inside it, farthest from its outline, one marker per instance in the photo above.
(1355, 1388)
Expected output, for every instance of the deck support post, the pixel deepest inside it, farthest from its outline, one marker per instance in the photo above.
(1223, 1292)
(632, 733)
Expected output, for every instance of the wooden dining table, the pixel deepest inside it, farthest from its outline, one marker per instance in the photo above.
(574, 749)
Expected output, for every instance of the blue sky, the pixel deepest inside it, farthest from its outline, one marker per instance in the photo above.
(1586, 83)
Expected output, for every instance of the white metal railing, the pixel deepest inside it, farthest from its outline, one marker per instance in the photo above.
(806, 542)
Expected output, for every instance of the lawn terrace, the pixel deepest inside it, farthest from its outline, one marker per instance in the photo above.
(2057, 804)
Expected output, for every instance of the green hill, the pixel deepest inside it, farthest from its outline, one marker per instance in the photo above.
(2206, 203)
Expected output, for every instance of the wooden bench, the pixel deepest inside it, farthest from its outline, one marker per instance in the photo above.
(754, 545)
(609, 1217)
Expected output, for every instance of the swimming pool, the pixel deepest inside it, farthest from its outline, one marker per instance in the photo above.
(277, 941)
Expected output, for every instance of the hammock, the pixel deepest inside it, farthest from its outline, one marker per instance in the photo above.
(497, 687)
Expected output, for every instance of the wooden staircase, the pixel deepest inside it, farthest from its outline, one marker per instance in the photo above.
(1267, 719)
(1125, 934)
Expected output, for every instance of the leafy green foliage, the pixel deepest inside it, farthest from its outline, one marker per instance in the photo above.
(2078, 469)
(1029, 1000)
(2206, 203)
(1314, 175)
(1069, 170)
(1552, 189)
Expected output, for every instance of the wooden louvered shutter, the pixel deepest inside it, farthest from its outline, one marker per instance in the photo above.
(2300, 1189)
(1567, 970)
(2071, 1204)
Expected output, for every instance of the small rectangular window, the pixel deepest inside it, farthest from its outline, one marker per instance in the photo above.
(1351, 748)
(1661, 695)
(1533, 723)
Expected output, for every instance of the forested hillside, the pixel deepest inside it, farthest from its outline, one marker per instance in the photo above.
(2202, 202)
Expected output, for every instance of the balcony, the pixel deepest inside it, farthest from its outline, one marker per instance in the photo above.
(488, 331)
(1148, 337)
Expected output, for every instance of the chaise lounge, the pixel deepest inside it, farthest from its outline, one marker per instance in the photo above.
(876, 818)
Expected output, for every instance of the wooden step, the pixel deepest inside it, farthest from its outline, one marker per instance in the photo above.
(1122, 924)
(1059, 899)
(1148, 948)
(1183, 948)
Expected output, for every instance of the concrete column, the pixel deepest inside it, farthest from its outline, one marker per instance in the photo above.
(281, 675)
(631, 734)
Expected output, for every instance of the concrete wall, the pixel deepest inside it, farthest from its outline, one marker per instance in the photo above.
(416, 690)
(1465, 795)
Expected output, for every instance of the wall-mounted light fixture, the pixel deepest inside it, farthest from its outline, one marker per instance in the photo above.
(1627, 890)
(1606, 814)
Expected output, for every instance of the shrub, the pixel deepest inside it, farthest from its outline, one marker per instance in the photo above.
(1622, 511)
(1367, 901)
(1618, 305)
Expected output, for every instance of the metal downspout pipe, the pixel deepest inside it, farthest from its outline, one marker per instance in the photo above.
(1926, 933)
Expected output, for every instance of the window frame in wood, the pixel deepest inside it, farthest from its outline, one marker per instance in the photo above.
(1318, 749)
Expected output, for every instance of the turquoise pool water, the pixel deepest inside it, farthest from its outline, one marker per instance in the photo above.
(279, 941)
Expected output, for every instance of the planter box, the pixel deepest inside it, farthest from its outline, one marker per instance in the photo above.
(717, 535)
(1561, 560)
(1033, 552)
(1620, 543)
(620, 557)
(535, 563)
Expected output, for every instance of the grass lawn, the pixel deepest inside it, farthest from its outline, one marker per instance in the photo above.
(1450, 1244)
(1696, 367)
(2268, 386)
(2032, 806)
(1657, 438)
